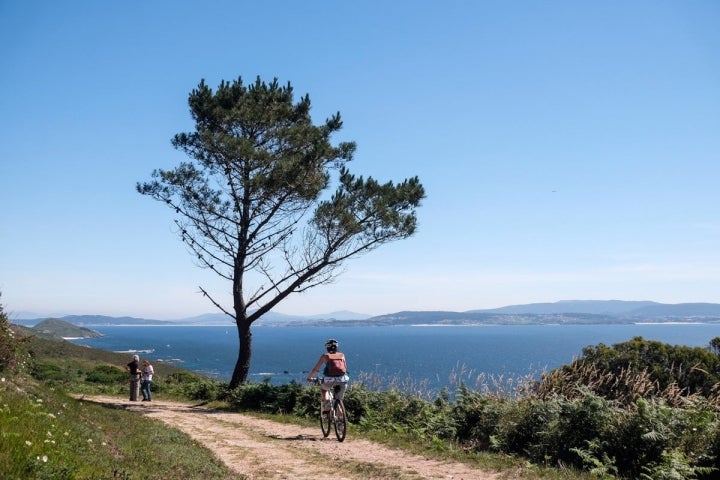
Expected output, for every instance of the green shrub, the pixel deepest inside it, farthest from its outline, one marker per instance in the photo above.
(646, 368)
(477, 418)
(264, 397)
(48, 372)
(13, 355)
(196, 390)
(641, 437)
(106, 374)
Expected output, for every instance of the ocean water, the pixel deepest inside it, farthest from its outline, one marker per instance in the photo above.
(430, 356)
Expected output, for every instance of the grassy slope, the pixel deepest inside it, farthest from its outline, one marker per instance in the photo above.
(47, 434)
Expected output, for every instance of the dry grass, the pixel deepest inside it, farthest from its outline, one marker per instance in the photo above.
(624, 387)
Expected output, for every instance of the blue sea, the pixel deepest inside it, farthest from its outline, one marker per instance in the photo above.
(423, 357)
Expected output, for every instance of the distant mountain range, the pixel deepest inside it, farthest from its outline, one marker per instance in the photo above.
(270, 318)
(563, 312)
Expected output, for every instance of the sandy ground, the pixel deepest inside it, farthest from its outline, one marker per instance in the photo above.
(263, 449)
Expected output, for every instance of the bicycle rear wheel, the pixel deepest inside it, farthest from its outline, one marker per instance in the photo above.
(340, 420)
(325, 420)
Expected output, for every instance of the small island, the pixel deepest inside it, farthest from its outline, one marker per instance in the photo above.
(60, 328)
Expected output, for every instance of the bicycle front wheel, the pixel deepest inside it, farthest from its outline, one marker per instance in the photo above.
(340, 420)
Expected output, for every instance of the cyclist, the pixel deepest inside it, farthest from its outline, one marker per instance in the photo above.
(335, 373)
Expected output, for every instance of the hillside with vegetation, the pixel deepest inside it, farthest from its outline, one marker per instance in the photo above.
(48, 434)
(635, 410)
(60, 328)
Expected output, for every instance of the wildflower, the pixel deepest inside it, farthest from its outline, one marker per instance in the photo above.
(51, 415)
(28, 442)
(44, 458)
(2, 379)
(89, 440)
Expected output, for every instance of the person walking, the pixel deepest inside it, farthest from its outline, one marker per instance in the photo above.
(147, 375)
(334, 371)
(134, 369)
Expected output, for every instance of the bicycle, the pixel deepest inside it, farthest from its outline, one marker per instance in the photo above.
(335, 417)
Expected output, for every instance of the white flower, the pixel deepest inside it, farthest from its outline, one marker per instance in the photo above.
(44, 458)
(28, 442)
(51, 415)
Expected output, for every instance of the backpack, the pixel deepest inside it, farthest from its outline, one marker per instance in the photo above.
(335, 367)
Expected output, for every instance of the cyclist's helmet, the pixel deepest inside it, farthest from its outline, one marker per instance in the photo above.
(331, 345)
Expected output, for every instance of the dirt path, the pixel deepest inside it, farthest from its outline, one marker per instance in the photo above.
(263, 449)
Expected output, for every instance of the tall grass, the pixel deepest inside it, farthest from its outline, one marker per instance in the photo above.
(49, 435)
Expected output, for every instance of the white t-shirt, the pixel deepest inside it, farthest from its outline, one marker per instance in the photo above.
(147, 373)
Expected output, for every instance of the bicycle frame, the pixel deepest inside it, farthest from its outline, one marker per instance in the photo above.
(335, 417)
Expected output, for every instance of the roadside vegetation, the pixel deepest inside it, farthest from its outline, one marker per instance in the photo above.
(47, 434)
(640, 409)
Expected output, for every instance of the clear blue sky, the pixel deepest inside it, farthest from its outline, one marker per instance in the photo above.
(569, 149)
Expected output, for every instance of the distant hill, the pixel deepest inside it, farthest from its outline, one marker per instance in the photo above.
(488, 318)
(596, 307)
(92, 320)
(61, 328)
(340, 315)
(563, 312)
(272, 318)
(618, 308)
(679, 310)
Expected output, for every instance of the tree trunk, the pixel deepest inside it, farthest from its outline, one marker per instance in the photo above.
(242, 366)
